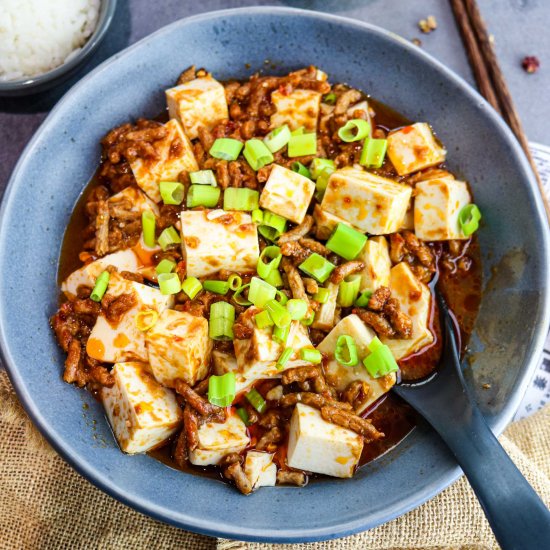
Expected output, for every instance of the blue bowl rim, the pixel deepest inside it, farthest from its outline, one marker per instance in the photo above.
(204, 525)
(29, 84)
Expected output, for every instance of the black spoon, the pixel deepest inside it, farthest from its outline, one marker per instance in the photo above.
(518, 517)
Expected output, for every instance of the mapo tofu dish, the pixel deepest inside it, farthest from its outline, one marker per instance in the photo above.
(249, 274)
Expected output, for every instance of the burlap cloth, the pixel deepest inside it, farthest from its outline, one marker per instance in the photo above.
(45, 504)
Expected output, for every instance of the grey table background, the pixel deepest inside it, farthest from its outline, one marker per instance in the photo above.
(520, 28)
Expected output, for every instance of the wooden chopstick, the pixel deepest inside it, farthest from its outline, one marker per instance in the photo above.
(489, 77)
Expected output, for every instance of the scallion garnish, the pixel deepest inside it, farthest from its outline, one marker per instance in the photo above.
(322, 295)
(274, 278)
(298, 132)
(240, 198)
(283, 358)
(346, 351)
(346, 242)
(363, 299)
(354, 130)
(302, 145)
(218, 287)
(165, 266)
(243, 415)
(257, 216)
(272, 225)
(300, 169)
(256, 400)
(280, 334)
(263, 320)
(191, 286)
(297, 309)
(380, 360)
(468, 219)
(281, 297)
(234, 281)
(330, 98)
(257, 154)
(317, 267)
(203, 195)
(308, 321)
(148, 223)
(203, 177)
(322, 181)
(278, 313)
(169, 283)
(171, 192)
(226, 149)
(348, 290)
(238, 297)
(221, 389)
(169, 237)
(146, 319)
(318, 165)
(373, 153)
(278, 138)
(310, 355)
(260, 292)
(222, 318)
(100, 286)
(274, 255)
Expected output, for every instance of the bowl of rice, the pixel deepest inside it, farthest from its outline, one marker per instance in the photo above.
(43, 42)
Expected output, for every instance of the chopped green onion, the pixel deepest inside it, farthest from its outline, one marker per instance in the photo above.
(318, 165)
(256, 400)
(222, 318)
(380, 361)
(283, 358)
(218, 287)
(373, 153)
(302, 145)
(234, 281)
(348, 290)
(299, 168)
(100, 286)
(165, 266)
(221, 389)
(280, 334)
(257, 216)
(346, 241)
(260, 292)
(263, 320)
(238, 297)
(191, 286)
(274, 278)
(272, 253)
(240, 198)
(278, 138)
(330, 98)
(226, 149)
(354, 130)
(148, 223)
(278, 313)
(322, 180)
(468, 219)
(272, 226)
(308, 321)
(243, 415)
(317, 267)
(257, 154)
(297, 309)
(310, 355)
(281, 297)
(203, 195)
(322, 295)
(169, 283)
(363, 299)
(171, 192)
(298, 132)
(203, 177)
(346, 351)
(169, 237)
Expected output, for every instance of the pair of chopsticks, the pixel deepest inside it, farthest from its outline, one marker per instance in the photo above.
(488, 75)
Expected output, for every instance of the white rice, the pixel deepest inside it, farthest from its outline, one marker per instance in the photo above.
(39, 35)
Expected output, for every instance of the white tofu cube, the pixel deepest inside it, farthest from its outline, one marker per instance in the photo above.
(179, 347)
(212, 242)
(174, 155)
(376, 257)
(287, 193)
(341, 376)
(437, 205)
(124, 341)
(413, 148)
(324, 317)
(299, 108)
(318, 446)
(370, 203)
(133, 200)
(219, 439)
(414, 299)
(123, 260)
(258, 355)
(325, 222)
(260, 469)
(141, 412)
(199, 102)
(223, 363)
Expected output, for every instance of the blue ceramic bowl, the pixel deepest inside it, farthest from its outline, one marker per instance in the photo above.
(62, 157)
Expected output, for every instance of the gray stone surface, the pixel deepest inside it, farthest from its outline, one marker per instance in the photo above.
(520, 28)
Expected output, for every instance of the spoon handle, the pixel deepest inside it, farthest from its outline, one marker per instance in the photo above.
(517, 515)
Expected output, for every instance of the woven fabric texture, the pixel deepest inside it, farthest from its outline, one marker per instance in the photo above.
(45, 504)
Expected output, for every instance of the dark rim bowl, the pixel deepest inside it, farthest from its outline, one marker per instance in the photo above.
(44, 81)
(63, 155)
